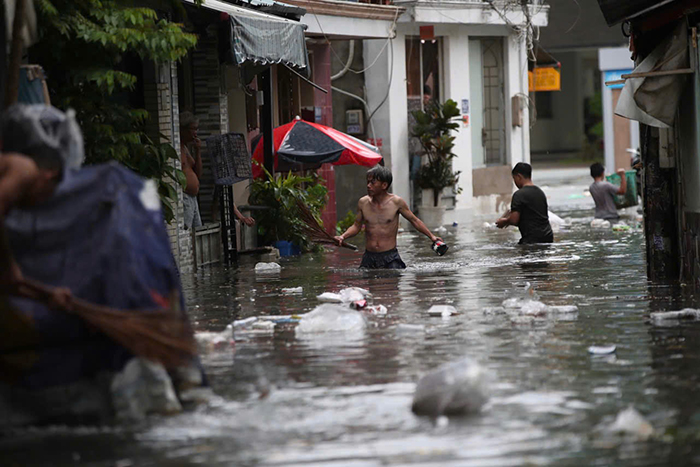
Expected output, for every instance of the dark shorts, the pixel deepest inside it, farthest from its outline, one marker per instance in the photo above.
(384, 260)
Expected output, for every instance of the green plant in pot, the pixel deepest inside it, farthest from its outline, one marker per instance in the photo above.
(279, 194)
(433, 129)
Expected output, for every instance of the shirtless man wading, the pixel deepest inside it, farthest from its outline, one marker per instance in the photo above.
(379, 212)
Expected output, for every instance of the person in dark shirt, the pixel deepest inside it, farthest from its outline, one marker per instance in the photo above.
(528, 209)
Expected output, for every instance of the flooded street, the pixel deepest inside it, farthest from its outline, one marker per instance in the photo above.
(345, 400)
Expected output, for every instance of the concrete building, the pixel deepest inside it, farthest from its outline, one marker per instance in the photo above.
(476, 55)
(576, 122)
(662, 94)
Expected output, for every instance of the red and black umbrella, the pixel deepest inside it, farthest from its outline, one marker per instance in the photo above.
(313, 144)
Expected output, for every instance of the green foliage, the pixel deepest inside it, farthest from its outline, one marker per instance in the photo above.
(345, 223)
(279, 194)
(433, 128)
(156, 161)
(88, 48)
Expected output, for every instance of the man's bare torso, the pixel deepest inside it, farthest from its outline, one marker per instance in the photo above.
(381, 222)
(192, 187)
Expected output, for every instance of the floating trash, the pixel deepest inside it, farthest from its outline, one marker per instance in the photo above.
(684, 314)
(293, 290)
(442, 310)
(331, 318)
(631, 422)
(456, 388)
(379, 310)
(600, 224)
(601, 350)
(267, 268)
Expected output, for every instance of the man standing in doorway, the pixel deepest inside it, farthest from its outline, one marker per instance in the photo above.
(528, 210)
(191, 166)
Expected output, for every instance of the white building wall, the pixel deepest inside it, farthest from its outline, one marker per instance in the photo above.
(457, 88)
(609, 59)
(391, 120)
(517, 137)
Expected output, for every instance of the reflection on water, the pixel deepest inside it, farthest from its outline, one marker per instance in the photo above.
(346, 401)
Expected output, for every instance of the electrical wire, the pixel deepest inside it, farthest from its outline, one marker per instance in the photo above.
(392, 34)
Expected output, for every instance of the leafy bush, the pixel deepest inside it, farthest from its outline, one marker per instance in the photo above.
(345, 223)
(433, 127)
(84, 46)
(279, 193)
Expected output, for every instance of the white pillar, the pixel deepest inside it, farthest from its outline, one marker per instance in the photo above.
(457, 88)
(516, 86)
(608, 130)
(391, 120)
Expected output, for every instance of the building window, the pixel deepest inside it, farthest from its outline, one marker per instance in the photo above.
(543, 104)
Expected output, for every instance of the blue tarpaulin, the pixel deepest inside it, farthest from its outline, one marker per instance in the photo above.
(102, 235)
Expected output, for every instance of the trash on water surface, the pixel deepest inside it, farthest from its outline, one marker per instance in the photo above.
(442, 310)
(330, 297)
(348, 295)
(267, 268)
(621, 227)
(212, 340)
(259, 327)
(601, 349)
(292, 290)
(379, 310)
(600, 224)
(331, 318)
(239, 323)
(686, 313)
(631, 422)
(456, 388)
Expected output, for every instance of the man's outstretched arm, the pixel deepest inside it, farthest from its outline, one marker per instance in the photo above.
(415, 222)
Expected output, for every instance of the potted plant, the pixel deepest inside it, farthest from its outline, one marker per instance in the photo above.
(433, 127)
(281, 222)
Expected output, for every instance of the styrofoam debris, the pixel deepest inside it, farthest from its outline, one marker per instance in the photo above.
(267, 268)
(442, 310)
(292, 290)
(600, 224)
(686, 313)
(601, 350)
(347, 295)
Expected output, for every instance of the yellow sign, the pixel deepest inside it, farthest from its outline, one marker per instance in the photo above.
(544, 79)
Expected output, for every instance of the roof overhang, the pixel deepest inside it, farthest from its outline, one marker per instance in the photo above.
(233, 10)
(347, 20)
(470, 13)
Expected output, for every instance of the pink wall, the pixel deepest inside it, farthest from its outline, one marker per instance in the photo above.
(322, 77)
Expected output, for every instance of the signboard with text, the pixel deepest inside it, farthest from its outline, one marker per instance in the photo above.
(544, 79)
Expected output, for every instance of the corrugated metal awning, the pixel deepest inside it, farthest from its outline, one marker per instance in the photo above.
(259, 43)
(260, 40)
